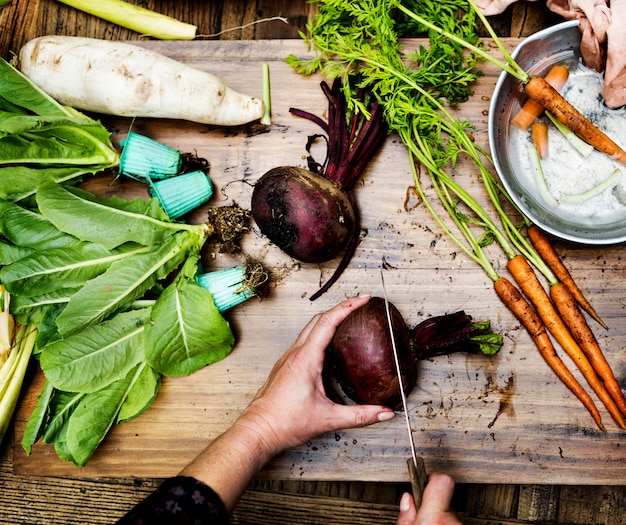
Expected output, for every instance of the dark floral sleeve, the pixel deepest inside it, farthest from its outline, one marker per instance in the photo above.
(179, 500)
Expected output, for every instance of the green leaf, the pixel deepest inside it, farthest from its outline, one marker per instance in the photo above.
(38, 418)
(187, 331)
(94, 416)
(31, 309)
(29, 229)
(20, 182)
(19, 90)
(123, 282)
(55, 145)
(9, 253)
(141, 395)
(60, 409)
(45, 271)
(92, 220)
(95, 357)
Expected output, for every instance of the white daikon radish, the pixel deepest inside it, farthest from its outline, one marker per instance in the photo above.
(117, 78)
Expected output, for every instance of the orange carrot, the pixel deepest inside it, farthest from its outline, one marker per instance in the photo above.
(532, 288)
(544, 248)
(539, 90)
(575, 321)
(529, 318)
(531, 110)
(539, 131)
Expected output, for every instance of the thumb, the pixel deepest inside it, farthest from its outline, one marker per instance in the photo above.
(408, 512)
(353, 416)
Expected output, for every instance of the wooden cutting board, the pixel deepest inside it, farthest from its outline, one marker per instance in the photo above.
(502, 419)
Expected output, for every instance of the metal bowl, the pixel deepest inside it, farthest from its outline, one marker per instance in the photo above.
(537, 54)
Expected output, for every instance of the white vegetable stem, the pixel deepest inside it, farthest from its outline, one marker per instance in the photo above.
(540, 180)
(607, 183)
(136, 18)
(12, 374)
(117, 78)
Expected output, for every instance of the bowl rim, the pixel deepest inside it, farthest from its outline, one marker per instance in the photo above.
(586, 236)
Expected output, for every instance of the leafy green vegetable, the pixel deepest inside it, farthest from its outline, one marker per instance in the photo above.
(97, 356)
(44, 140)
(122, 283)
(80, 267)
(45, 271)
(139, 221)
(93, 417)
(176, 344)
(142, 393)
(28, 229)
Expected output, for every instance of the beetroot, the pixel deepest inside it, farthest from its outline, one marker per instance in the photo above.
(360, 363)
(312, 214)
(360, 356)
(305, 215)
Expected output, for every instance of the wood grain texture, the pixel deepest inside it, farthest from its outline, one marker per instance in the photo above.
(233, 20)
(40, 499)
(475, 417)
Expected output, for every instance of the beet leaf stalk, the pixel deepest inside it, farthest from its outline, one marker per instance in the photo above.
(450, 333)
(354, 138)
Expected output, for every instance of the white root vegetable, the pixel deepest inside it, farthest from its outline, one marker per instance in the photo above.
(122, 79)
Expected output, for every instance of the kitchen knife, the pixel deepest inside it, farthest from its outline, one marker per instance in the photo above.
(417, 470)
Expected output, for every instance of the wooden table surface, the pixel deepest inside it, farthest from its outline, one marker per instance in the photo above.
(495, 420)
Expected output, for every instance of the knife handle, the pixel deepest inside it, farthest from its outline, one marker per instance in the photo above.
(418, 478)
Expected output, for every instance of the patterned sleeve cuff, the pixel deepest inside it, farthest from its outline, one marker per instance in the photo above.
(180, 499)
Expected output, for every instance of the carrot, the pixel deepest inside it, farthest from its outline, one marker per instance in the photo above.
(544, 248)
(538, 89)
(539, 131)
(529, 318)
(531, 110)
(572, 316)
(532, 288)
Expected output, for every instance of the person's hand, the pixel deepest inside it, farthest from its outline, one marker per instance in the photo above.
(292, 407)
(435, 508)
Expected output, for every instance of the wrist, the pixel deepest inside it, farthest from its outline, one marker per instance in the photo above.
(259, 433)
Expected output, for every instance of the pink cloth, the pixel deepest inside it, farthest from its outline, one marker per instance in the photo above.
(603, 37)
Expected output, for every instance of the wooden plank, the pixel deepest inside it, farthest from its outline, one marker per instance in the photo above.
(241, 20)
(478, 418)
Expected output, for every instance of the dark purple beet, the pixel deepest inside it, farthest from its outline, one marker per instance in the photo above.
(303, 213)
(287, 212)
(360, 357)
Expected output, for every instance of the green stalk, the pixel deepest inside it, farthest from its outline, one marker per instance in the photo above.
(266, 119)
(12, 374)
(143, 21)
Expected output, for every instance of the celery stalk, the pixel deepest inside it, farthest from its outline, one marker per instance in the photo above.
(136, 18)
(12, 374)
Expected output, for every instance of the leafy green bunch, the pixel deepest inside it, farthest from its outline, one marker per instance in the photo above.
(110, 284)
(44, 141)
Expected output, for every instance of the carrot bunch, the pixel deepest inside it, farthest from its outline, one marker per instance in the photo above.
(557, 311)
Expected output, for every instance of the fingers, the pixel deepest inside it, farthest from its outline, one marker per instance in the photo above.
(353, 416)
(407, 510)
(438, 493)
(435, 503)
(320, 332)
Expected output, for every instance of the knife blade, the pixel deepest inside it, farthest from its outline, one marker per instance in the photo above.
(417, 469)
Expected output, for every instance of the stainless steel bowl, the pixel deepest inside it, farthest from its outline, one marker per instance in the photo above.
(537, 54)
